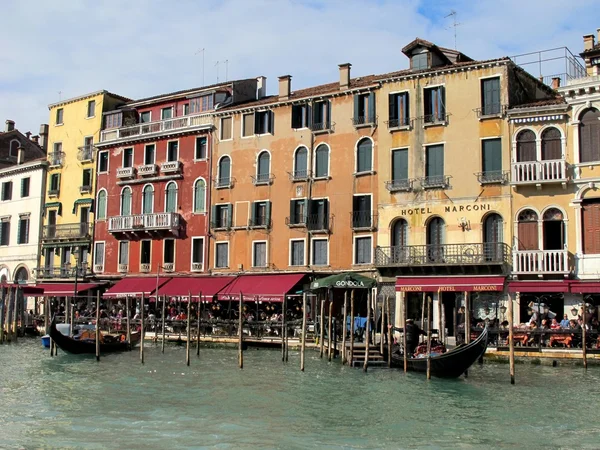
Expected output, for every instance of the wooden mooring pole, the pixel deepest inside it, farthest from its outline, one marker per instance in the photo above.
(428, 338)
(199, 317)
(3, 308)
(344, 327)
(368, 332)
(189, 330)
(511, 341)
(15, 315)
(241, 333)
(97, 326)
(322, 328)
(329, 329)
(381, 331)
(142, 329)
(303, 347)
(404, 317)
(583, 335)
(467, 324)
(283, 309)
(164, 320)
(351, 358)
(128, 321)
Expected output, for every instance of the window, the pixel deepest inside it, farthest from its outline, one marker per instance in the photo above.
(260, 214)
(361, 211)
(222, 215)
(399, 165)
(222, 255)
(591, 227)
(554, 229)
(589, 135)
(491, 160)
(145, 249)
(172, 151)
(226, 128)
(123, 252)
(420, 61)
(493, 247)
(145, 117)
(299, 116)
(99, 255)
(263, 168)
(434, 165)
(25, 183)
(321, 117)
(490, 96)
(364, 109)
(169, 251)
(200, 151)
(54, 184)
(224, 175)
(526, 147)
(185, 109)
(199, 196)
(171, 197)
(259, 254)
(91, 108)
(148, 199)
(166, 113)
(201, 103)
(126, 201)
(5, 231)
(527, 230)
(59, 116)
(86, 180)
(320, 252)
(322, 161)
(400, 233)
(297, 252)
(101, 205)
(248, 125)
(399, 110)
(362, 250)
(128, 157)
(56, 156)
(301, 163)
(14, 148)
(149, 154)
(318, 215)
(197, 253)
(88, 146)
(436, 238)
(551, 144)
(23, 232)
(435, 105)
(364, 156)
(103, 161)
(263, 122)
(7, 191)
(113, 120)
(297, 212)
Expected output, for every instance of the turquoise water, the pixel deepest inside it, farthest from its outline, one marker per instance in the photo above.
(74, 402)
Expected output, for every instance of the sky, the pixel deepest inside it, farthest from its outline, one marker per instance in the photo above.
(58, 49)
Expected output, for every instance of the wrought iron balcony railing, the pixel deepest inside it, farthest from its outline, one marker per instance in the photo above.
(85, 188)
(164, 221)
(262, 178)
(64, 271)
(86, 153)
(493, 110)
(56, 159)
(492, 177)
(538, 172)
(67, 231)
(217, 224)
(363, 220)
(444, 254)
(224, 182)
(405, 122)
(359, 121)
(319, 223)
(259, 222)
(321, 127)
(296, 220)
(436, 119)
(405, 185)
(436, 182)
(299, 175)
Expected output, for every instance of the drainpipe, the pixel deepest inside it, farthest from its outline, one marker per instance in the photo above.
(208, 204)
(309, 195)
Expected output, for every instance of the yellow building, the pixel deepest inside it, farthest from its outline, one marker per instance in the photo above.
(68, 213)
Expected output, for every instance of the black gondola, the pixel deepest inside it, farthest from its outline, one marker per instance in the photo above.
(88, 346)
(451, 364)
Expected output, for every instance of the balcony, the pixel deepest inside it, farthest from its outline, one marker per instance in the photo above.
(262, 179)
(85, 188)
(224, 182)
(299, 175)
(492, 177)
(364, 121)
(259, 222)
(443, 255)
(539, 172)
(153, 129)
(98, 268)
(144, 267)
(125, 172)
(435, 119)
(64, 271)
(296, 221)
(491, 111)
(405, 185)
(322, 127)
(436, 182)
(541, 262)
(405, 123)
(56, 159)
(171, 167)
(140, 223)
(363, 220)
(67, 231)
(319, 223)
(85, 153)
(53, 192)
(147, 170)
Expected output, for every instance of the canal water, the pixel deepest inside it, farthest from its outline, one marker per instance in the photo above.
(74, 402)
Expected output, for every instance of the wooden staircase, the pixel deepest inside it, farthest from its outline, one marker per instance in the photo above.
(358, 357)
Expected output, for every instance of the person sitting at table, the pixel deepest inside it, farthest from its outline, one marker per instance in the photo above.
(565, 322)
(554, 325)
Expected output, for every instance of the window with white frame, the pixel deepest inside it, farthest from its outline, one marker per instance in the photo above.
(103, 161)
(172, 151)
(101, 205)
(148, 199)
(123, 253)
(200, 150)
(259, 254)
(197, 253)
(199, 196)
(362, 250)
(171, 197)
(149, 154)
(99, 256)
(297, 252)
(166, 113)
(91, 108)
(145, 251)
(169, 251)
(127, 157)
(145, 117)
(222, 255)
(320, 249)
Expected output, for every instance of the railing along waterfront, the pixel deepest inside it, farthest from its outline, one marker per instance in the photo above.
(540, 262)
(554, 170)
(67, 231)
(160, 126)
(141, 222)
(529, 338)
(445, 254)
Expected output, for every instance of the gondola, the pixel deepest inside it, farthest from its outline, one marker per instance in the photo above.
(451, 364)
(83, 346)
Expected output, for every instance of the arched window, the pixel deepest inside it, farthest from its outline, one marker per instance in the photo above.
(527, 230)
(263, 167)
(322, 161)
(200, 196)
(493, 237)
(101, 205)
(148, 199)
(171, 197)
(554, 229)
(224, 175)
(301, 163)
(589, 135)
(126, 201)
(21, 275)
(526, 146)
(14, 148)
(399, 241)
(551, 144)
(436, 239)
(364, 156)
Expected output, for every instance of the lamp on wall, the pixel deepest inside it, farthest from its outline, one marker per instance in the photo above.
(464, 224)
(574, 310)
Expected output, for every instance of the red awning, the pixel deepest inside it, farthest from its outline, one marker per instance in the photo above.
(64, 289)
(449, 284)
(135, 286)
(207, 286)
(28, 289)
(266, 288)
(584, 287)
(539, 286)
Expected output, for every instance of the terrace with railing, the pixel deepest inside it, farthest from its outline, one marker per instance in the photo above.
(443, 254)
(164, 221)
(541, 262)
(538, 172)
(67, 231)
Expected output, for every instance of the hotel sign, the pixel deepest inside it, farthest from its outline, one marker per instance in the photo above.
(447, 209)
(450, 288)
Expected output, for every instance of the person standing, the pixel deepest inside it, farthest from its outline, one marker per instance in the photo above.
(413, 332)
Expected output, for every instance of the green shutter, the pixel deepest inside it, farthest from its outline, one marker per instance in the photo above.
(356, 107)
(393, 106)
(399, 165)
(327, 105)
(372, 111)
(253, 213)
(19, 232)
(492, 155)
(292, 212)
(268, 214)
(229, 215)
(296, 116)
(435, 161)
(213, 215)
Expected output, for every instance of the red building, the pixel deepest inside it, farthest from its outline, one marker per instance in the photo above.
(153, 184)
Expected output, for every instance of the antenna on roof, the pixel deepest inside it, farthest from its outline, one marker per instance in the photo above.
(217, 66)
(59, 96)
(202, 51)
(454, 24)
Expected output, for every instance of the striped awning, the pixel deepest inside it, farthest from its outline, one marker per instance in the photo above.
(54, 205)
(82, 201)
(65, 244)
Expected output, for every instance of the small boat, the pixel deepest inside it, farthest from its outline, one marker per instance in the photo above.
(108, 344)
(451, 364)
(46, 341)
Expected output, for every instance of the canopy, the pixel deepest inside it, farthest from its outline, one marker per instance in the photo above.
(206, 285)
(135, 286)
(266, 288)
(82, 201)
(449, 284)
(539, 286)
(28, 289)
(344, 281)
(585, 287)
(64, 289)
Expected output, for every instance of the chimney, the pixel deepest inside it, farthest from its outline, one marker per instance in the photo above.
(10, 125)
(28, 134)
(598, 31)
(285, 87)
(36, 139)
(20, 155)
(588, 42)
(261, 87)
(555, 83)
(44, 137)
(345, 75)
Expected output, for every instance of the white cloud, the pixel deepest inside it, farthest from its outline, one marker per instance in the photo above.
(141, 48)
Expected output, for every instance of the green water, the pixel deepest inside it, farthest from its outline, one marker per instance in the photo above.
(74, 402)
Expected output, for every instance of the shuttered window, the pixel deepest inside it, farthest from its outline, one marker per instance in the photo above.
(126, 202)
(301, 163)
(7, 190)
(224, 170)
(297, 253)
(589, 136)
(362, 250)
(490, 96)
(491, 156)
(435, 104)
(434, 167)
(400, 233)
(319, 252)
(171, 198)
(263, 167)
(222, 254)
(400, 164)
(364, 156)
(124, 252)
(101, 205)
(299, 116)
(148, 200)
(322, 161)
(99, 253)
(5, 231)
(23, 231)
(248, 125)
(25, 183)
(526, 146)
(199, 196)
(321, 115)
(364, 109)
(591, 227)
(259, 254)
(398, 110)
(527, 231)
(551, 144)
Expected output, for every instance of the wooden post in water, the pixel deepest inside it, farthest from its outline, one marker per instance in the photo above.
(199, 317)
(189, 330)
(46, 315)
(404, 317)
(351, 359)
(127, 321)
(583, 335)
(97, 327)
(287, 337)
(164, 319)
(511, 341)
(344, 327)
(428, 338)
(389, 329)
(283, 309)
(15, 315)
(241, 333)
(381, 331)
(142, 328)
(329, 323)
(2, 319)
(467, 324)
(303, 347)
(423, 314)
(9, 314)
(321, 328)
(368, 331)
(439, 307)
